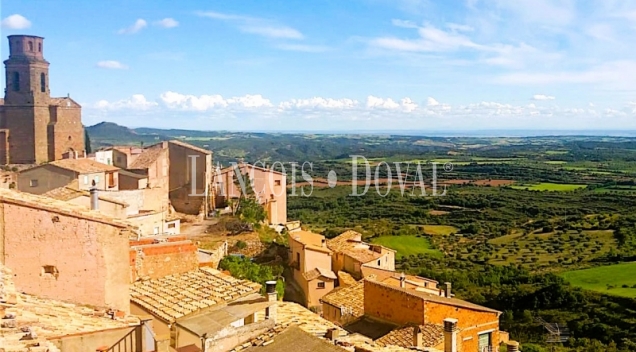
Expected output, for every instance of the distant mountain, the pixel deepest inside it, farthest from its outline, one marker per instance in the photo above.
(109, 133)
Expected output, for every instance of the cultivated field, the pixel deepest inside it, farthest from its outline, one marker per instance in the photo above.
(616, 279)
(546, 186)
(408, 245)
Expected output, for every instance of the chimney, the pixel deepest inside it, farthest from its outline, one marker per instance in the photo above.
(270, 291)
(448, 289)
(402, 280)
(513, 346)
(94, 198)
(332, 334)
(450, 335)
(324, 242)
(417, 337)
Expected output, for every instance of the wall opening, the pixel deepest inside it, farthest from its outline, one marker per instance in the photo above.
(30, 46)
(33, 183)
(50, 271)
(39, 47)
(42, 82)
(16, 81)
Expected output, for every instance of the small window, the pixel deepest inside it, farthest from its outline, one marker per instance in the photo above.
(42, 82)
(172, 225)
(16, 81)
(379, 262)
(108, 161)
(156, 230)
(85, 179)
(39, 47)
(33, 183)
(321, 285)
(70, 138)
(30, 46)
(118, 159)
(277, 182)
(50, 270)
(97, 179)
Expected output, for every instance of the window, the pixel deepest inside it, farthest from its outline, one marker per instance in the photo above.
(277, 182)
(172, 225)
(30, 46)
(85, 179)
(379, 262)
(111, 179)
(50, 270)
(33, 183)
(97, 179)
(42, 82)
(108, 161)
(39, 47)
(484, 341)
(16, 81)
(156, 230)
(321, 285)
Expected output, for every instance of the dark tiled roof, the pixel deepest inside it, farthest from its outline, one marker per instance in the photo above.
(318, 272)
(349, 298)
(147, 157)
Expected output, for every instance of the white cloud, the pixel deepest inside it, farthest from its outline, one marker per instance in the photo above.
(431, 102)
(167, 23)
(258, 26)
(375, 102)
(319, 103)
(404, 23)
(614, 72)
(179, 101)
(551, 12)
(135, 27)
(459, 27)
(602, 32)
(16, 21)
(136, 102)
(112, 64)
(542, 97)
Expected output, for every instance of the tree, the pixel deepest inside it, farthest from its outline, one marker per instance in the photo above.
(247, 207)
(87, 142)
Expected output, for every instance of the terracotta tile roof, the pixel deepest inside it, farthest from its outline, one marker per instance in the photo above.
(45, 318)
(289, 313)
(190, 146)
(440, 299)
(175, 296)
(346, 240)
(345, 279)
(349, 298)
(83, 166)
(72, 191)
(318, 272)
(132, 174)
(294, 339)
(147, 157)
(362, 255)
(57, 207)
(432, 336)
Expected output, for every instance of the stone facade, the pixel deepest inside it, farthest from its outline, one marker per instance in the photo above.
(151, 260)
(35, 127)
(64, 251)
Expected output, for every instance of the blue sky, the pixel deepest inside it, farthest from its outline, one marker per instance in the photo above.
(340, 64)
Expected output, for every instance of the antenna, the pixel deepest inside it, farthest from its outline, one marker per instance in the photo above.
(556, 333)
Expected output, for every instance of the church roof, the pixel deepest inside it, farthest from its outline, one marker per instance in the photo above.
(64, 102)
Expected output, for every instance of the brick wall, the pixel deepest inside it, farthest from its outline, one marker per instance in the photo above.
(158, 260)
(389, 304)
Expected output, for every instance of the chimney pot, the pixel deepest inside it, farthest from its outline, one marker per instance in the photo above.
(450, 335)
(333, 334)
(418, 341)
(402, 280)
(513, 346)
(94, 198)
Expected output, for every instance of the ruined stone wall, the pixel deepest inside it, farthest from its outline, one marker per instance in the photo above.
(154, 261)
(66, 258)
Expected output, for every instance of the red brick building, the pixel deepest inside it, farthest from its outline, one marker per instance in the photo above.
(34, 127)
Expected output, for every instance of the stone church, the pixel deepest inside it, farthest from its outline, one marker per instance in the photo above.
(34, 127)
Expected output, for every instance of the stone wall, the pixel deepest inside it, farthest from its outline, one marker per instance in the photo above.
(65, 257)
(154, 261)
(388, 304)
(48, 177)
(67, 130)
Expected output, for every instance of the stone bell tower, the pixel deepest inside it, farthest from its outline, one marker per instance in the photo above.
(38, 128)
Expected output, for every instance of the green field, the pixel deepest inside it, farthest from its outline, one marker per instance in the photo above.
(609, 279)
(408, 245)
(439, 229)
(547, 186)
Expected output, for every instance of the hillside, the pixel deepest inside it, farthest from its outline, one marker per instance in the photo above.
(108, 133)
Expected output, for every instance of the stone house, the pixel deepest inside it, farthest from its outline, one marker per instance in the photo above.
(73, 195)
(112, 156)
(351, 254)
(311, 262)
(56, 174)
(64, 251)
(270, 189)
(205, 310)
